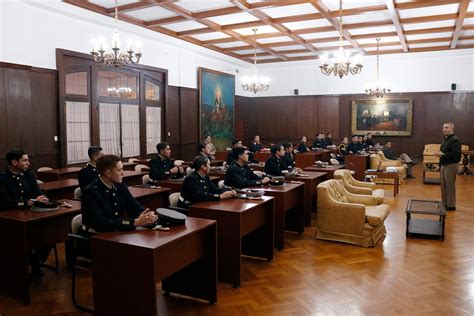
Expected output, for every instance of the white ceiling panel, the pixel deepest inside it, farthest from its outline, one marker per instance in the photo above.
(466, 42)
(203, 5)
(370, 30)
(111, 3)
(429, 45)
(260, 30)
(319, 35)
(301, 54)
(329, 44)
(297, 9)
(470, 8)
(247, 51)
(292, 47)
(233, 18)
(265, 57)
(307, 24)
(184, 26)
(274, 39)
(430, 35)
(151, 13)
(360, 18)
(210, 36)
(231, 44)
(382, 40)
(435, 10)
(333, 5)
(468, 21)
(467, 33)
(428, 25)
(373, 49)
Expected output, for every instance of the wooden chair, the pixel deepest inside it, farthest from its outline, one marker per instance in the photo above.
(140, 167)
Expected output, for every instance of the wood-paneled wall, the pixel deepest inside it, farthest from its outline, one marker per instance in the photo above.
(287, 118)
(29, 117)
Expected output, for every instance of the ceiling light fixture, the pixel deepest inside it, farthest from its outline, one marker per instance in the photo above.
(377, 89)
(255, 83)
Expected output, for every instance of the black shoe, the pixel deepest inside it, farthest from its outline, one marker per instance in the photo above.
(36, 272)
(451, 208)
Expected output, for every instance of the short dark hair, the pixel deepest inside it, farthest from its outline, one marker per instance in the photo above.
(161, 146)
(235, 141)
(237, 152)
(14, 154)
(199, 161)
(106, 162)
(328, 134)
(206, 136)
(275, 148)
(287, 145)
(93, 151)
(201, 146)
(369, 134)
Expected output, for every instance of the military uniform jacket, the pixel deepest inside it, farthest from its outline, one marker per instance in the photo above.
(107, 209)
(160, 168)
(87, 175)
(369, 143)
(289, 161)
(389, 154)
(230, 158)
(352, 147)
(328, 141)
(241, 176)
(343, 149)
(254, 147)
(359, 146)
(451, 149)
(318, 143)
(17, 189)
(199, 189)
(302, 148)
(274, 166)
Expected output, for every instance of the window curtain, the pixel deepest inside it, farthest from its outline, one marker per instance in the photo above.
(130, 130)
(109, 128)
(153, 128)
(77, 131)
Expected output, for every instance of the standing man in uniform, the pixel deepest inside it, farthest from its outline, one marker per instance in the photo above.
(449, 157)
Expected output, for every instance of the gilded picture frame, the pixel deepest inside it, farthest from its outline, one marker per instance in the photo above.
(391, 117)
(216, 106)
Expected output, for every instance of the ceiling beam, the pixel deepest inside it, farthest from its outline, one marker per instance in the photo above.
(132, 6)
(429, 18)
(459, 22)
(396, 22)
(423, 4)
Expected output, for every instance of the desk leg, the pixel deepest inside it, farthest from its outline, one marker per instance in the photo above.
(14, 277)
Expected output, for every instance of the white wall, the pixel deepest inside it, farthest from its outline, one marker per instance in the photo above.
(31, 30)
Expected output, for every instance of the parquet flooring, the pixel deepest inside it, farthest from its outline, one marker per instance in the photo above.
(399, 276)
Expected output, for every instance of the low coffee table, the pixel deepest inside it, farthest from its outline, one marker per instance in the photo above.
(386, 175)
(423, 226)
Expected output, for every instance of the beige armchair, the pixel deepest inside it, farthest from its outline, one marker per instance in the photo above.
(358, 187)
(347, 217)
(379, 161)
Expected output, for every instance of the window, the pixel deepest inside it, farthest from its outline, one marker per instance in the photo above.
(130, 130)
(152, 91)
(77, 131)
(76, 83)
(153, 128)
(109, 128)
(115, 84)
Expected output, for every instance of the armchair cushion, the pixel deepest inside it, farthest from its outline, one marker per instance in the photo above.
(376, 215)
(358, 187)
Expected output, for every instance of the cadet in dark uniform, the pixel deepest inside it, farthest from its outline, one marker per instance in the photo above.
(365, 146)
(302, 145)
(236, 143)
(318, 142)
(197, 187)
(328, 140)
(289, 158)
(353, 145)
(108, 205)
(342, 149)
(239, 174)
(204, 150)
(161, 167)
(449, 157)
(359, 145)
(18, 187)
(370, 143)
(255, 146)
(89, 173)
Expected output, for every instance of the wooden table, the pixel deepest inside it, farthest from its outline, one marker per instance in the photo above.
(133, 177)
(311, 181)
(360, 163)
(151, 198)
(289, 209)
(145, 162)
(307, 159)
(465, 162)
(423, 226)
(176, 185)
(61, 189)
(218, 173)
(261, 156)
(59, 174)
(21, 231)
(129, 165)
(214, 163)
(329, 169)
(244, 227)
(388, 175)
(127, 266)
(258, 167)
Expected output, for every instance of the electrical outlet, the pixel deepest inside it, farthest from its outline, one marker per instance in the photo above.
(56, 138)
(169, 134)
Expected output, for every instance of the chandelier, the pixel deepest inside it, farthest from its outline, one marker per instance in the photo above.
(377, 90)
(115, 57)
(255, 83)
(340, 65)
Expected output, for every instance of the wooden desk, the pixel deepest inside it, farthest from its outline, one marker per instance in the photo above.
(129, 165)
(289, 209)
(258, 167)
(61, 189)
(151, 198)
(133, 177)
(59, 174)
(305, 159)
(244, 227)
(145, 162)
(21, 231)
(176, 185)
(127, 266)
(311, 181)
(388, 175)
(329, 169)
(262, 156)
(218, 173)
(214, 163)
(221, 155)
(360, 162)
(465, 162)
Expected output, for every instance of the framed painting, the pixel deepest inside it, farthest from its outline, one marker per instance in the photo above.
(382, 117)
(216, 107)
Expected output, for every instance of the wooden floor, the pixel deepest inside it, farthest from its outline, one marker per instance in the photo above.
(399, 276)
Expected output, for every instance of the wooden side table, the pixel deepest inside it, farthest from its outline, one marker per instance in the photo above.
(387, 175)
(422, 226)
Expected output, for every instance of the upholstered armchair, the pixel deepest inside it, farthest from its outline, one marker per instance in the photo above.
(347, 217)
(358, 187)
(379, 161)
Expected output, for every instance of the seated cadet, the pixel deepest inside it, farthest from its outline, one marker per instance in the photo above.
(18, 187)
(204, 150)
(211, 147)
(161, 167)
(89, 173)
(328, 139)
(353, 145)
(359, 145)
(370, 143)
(197, 187)
(108, 205)
(255, 146)
(275, 164)
(390, 154)
(342, 149)
(302, 146)
(236, 143)
(318, 142)
(239, 174)
(289, 158)
(365, 145)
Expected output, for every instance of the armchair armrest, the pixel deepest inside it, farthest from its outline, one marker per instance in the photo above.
(358, 183)
(357, 190)
(361, 199)
(347, 218)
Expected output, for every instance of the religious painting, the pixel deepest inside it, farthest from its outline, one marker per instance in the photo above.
(216, 107)
(382, 117)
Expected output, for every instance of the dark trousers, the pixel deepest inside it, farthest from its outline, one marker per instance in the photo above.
(448, 175)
